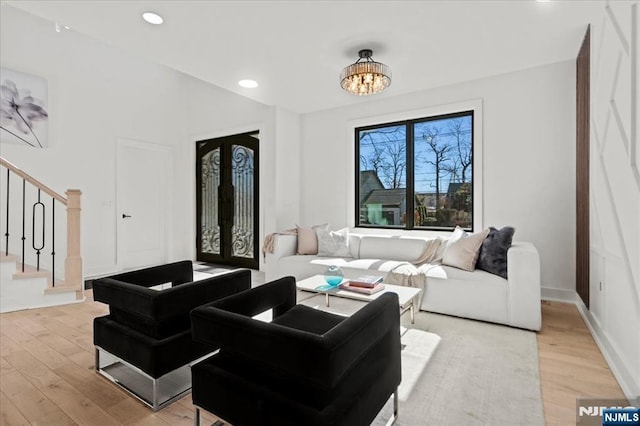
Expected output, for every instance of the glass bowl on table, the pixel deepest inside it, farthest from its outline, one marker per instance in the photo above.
(333, 277)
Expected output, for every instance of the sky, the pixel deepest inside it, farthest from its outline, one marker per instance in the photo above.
(386, 143)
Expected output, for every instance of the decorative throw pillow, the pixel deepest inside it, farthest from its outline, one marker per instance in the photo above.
(308, 239)
(463, 252)
(493, 253)
(456, 235)
(333, 243)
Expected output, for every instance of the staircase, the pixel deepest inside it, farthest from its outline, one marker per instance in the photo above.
(29, 226)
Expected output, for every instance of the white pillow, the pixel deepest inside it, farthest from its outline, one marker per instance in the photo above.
(456, 235)
(333, 243)
(463, 249)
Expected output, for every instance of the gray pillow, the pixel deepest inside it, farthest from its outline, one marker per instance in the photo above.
(333, 243)
(493, 253)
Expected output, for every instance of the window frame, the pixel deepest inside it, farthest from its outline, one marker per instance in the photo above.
(472, 109)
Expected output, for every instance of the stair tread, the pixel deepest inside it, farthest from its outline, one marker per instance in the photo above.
(32, 272)
(8, 257)
(60, 287)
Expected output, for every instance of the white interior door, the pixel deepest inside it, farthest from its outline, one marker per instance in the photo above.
(142, 200)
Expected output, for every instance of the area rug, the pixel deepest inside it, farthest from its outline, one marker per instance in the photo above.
(212, 269)
(202, 271)
(480, 374)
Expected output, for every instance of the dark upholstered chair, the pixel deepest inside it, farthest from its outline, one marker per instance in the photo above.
(146, 338)
(306, 367)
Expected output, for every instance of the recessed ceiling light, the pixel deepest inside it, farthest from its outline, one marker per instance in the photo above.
(249, 84)
(152, 18)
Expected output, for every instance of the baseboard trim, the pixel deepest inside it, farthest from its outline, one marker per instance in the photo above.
(617, 366)
(559, 295)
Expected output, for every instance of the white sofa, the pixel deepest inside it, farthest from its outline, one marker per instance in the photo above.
(477, 295)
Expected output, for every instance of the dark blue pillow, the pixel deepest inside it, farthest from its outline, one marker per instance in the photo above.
(493, 252)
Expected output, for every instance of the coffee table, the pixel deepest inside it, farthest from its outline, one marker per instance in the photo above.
(405, 294)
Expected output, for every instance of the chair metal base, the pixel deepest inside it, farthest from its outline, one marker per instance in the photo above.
(393, 418)
(156, 393)
(196, 418)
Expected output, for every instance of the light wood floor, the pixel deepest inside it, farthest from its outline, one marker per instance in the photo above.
(571, 364)
(47, 374)
(48, 378)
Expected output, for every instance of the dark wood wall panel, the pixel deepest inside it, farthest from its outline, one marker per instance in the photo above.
(582, 169)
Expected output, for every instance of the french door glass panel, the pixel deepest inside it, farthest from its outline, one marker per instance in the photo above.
(210, 229)
(242, 181)
(227, 179)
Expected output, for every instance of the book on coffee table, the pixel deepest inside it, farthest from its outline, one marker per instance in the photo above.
(368, 281)
(364, 290)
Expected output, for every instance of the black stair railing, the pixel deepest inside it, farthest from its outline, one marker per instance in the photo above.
(38, 218)
(6, 234)
(39, 222)
(38, 206)
(23, 221)
(53, 242)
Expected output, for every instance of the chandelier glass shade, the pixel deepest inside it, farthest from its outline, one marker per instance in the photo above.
(365, 76)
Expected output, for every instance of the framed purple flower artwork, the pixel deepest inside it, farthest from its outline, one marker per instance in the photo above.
(24, 117)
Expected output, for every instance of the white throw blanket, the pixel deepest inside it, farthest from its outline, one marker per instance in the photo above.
(407, 274)
(269, 239)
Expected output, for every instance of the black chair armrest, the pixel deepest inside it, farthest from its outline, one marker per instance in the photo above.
(347, 343)
(133, 298)
(324, 359)
(279, 295)
(175, 273)
(159, 305)
(183, 298)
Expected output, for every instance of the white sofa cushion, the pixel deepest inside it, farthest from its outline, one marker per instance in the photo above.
(478, 294)
(305, 266)
(354, 245)
(381, 265)
(391, 247)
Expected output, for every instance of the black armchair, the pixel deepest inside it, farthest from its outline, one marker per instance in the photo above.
(306, 367)
(145, 341)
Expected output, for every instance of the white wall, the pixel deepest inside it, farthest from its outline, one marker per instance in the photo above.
(615, 191)
(97, 94)
(528, 158)
(288, 168)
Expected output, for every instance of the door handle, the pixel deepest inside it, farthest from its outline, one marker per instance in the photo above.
(124, 216)
(231, 204)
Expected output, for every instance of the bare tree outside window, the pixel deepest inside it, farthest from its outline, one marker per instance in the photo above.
(422, 166)
(439, 157)
(385, 151)
(461, 131)
(383, 164)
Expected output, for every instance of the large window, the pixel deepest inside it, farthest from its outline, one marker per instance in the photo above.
(416, 174)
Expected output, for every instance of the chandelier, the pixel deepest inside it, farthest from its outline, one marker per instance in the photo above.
(365, 76)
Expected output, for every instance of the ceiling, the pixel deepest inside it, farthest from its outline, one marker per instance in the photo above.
(296, 49)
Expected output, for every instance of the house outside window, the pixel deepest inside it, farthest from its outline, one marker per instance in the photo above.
(416, 174)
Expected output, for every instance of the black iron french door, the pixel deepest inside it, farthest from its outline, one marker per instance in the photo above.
(227, 200)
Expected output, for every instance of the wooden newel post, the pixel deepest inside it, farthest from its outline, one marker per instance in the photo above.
(73, 262)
